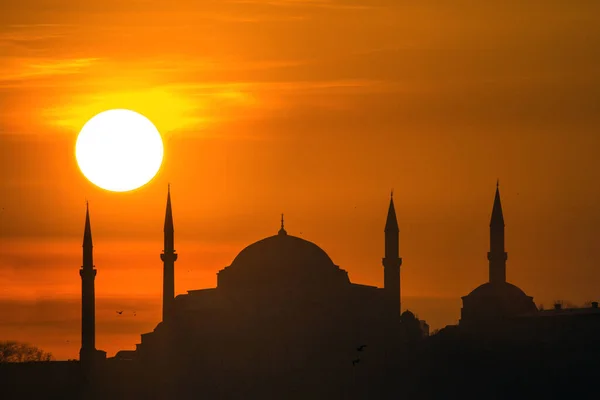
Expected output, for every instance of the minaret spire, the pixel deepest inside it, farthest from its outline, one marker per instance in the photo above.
(497, 255)
(88, 306)
(392, 260)
(168, 257)
(169, 233)
(391, 223)
(88, 256)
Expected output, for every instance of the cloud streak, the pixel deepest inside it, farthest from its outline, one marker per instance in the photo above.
(30, 68)
(327, 4)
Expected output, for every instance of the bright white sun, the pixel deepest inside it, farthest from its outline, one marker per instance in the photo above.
(119, 150)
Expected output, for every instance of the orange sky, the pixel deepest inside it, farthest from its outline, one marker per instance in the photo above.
(312, 108)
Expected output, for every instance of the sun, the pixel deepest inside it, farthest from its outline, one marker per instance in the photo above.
(119, 150)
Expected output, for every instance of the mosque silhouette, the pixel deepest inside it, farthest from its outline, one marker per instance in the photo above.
(290, 287)
(285, 321)
(281, 290)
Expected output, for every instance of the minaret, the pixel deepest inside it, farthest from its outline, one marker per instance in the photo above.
(392, 260)
(88, 307)
(168, 257)
(497, 256)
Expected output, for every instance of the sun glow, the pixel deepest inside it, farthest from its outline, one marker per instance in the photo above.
(119, 150)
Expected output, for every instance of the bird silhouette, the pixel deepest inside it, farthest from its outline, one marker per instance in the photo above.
(354, 362)
(119, 312)
(361, 347)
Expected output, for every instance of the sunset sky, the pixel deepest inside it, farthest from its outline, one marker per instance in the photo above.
(316, 109)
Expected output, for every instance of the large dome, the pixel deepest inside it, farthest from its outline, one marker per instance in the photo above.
(283, 251)
(279, 259)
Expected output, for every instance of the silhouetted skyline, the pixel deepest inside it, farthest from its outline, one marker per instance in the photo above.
(285, 320)
(315, 110)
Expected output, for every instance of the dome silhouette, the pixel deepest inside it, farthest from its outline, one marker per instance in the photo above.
(281, 260)
(501, 289)
(283, 251)
(496, 300)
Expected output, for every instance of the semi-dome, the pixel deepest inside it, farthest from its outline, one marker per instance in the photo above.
(281, 259)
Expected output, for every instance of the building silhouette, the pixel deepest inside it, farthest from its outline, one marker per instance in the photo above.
(282, 307)
(496, 300)
(168, 258)
(88, 354)
(392, 260)
(284, 321)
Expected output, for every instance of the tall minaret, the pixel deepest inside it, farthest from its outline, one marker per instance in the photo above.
(497, 256)
(168, 257)
(88, 307)
(392, 260)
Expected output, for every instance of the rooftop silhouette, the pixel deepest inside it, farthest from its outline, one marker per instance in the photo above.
(284, 319)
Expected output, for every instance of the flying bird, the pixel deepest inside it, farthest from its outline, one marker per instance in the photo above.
(354, 362)
(119, 312)
(361, 347)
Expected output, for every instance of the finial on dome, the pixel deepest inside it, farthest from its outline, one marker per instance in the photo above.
(392, 193)
(282, 231)
(497, 183)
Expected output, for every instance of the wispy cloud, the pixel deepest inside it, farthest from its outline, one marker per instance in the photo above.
(25, 68)
(254, 18)
(305, 3)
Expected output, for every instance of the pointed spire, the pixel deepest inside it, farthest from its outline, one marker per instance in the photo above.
(168, 257)
(497, 255)
(169, 212)
(497, 216)
(392, 260)
(391, 224)
(88, 252)
(87, 233)
(88, 274)
(282, 230)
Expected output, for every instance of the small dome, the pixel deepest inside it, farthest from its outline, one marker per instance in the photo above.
(495, 301)
(503, 289)
(408, 315)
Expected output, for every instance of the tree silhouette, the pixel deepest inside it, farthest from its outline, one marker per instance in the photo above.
(13, 351)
